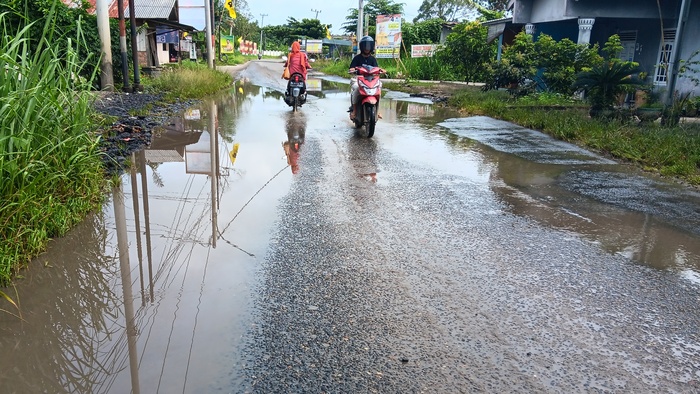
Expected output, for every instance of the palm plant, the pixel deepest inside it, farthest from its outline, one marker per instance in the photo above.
(603, 83)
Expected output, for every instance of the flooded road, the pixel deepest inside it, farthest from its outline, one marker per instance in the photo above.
(256, 250)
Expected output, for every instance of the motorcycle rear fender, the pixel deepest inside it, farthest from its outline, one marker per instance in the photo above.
(295, 92)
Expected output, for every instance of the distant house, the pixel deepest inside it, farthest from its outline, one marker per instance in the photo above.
(159, 42)
(651, 36)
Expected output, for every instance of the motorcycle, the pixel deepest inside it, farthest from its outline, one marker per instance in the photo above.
(295, 95)
(369, 88)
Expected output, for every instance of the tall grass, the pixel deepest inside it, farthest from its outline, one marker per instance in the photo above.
(49, 158)
(190, 80)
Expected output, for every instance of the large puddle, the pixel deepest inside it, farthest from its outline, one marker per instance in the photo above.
(153, 294)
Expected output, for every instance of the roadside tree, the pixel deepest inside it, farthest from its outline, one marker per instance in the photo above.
(466, 51)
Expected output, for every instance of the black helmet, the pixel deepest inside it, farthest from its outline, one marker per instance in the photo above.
(367, 43)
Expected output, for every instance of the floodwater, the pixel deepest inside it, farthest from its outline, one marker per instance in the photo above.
(162, 291)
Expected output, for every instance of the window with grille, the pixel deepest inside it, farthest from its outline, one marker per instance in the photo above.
(628, 39)
(661, 75)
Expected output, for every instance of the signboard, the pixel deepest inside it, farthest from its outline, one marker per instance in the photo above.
(226, 43)
(193, 114)
(314, 85)
(426, 50)
(167, 36)
(388, 41)
(314, 46)
(193, 50)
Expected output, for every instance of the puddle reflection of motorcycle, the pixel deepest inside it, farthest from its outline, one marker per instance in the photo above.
(365, 95)
(295, 126)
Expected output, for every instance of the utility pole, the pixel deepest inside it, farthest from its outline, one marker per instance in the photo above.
(122, 47)
(674, 64)
(209, 44)
(316, 11)
(134, 47)
(262, 24)
(106, 75)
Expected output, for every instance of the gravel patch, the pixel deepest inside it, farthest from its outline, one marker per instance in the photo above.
(129, 134)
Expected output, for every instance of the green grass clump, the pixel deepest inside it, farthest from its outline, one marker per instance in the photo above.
(49, 158)
(189, 80)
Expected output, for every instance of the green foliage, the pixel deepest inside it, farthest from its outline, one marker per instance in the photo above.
(425, 32)
(447, 10)
(189, 80)
(613, 47)
(563, 60)
(690, 68)
(466, 51)
(371, 9)
(45, 143)
(604, 82)
(548, 64)
(280, 37)
(428, 68)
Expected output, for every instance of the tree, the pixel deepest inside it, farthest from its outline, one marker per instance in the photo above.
(280, 37)
(604, 82)
(451, 10)
(425, 32)
(466, 51)
(447, 10)
(371, 9)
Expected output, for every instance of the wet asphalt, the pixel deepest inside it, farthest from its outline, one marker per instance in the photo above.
(423, 282)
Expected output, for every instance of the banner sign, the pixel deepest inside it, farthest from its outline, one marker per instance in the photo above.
(426, 50)
(388, 41)
(226, 43)
(167, 36)
(314, 46)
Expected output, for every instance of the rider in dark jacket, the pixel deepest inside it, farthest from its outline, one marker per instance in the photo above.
(365, 57)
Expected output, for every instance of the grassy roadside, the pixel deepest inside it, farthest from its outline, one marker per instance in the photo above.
(669, 151)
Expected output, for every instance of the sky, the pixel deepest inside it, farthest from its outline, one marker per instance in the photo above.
(331, 12)
(277, 12)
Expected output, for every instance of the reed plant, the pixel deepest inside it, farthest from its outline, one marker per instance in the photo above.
(49, 157)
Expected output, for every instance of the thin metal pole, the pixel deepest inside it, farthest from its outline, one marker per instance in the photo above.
(360, 17)
(262, 24)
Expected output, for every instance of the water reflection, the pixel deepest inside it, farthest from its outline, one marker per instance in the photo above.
(151, 294)
(581, 198)
(70, 330)
(295, 127)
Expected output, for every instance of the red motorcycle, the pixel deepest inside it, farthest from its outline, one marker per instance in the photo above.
(369, 88)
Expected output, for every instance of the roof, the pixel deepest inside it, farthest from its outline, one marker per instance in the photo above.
(497, 21)
(145, 9)
(337, 41)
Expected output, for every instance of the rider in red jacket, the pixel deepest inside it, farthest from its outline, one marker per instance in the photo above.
(297, 61)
